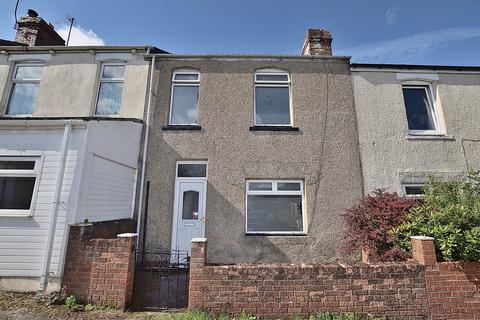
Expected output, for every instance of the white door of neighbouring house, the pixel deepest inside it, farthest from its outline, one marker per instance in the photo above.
(189, 206)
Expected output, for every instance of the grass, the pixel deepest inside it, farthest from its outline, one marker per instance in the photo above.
(198, 315)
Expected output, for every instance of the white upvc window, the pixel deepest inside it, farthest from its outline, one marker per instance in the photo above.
(273, 106)
(422, 116)
(413, 190)
(184, 97)
(18, 185)
(275, 207)
(110, 89)
(23, 93)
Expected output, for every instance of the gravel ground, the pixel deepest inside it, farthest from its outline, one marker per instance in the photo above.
(24, 306)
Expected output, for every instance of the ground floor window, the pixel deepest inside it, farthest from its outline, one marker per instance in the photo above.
(275, 207)
(18, 178)
(413, 189)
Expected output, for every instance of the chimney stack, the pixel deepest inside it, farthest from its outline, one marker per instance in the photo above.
(32, 30)
(318, 42)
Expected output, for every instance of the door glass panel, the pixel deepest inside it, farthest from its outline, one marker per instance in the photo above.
(190, 205)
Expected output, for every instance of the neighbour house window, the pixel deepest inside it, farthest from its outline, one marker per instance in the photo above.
(184, 100)
(25, 82)
(420, 108)
(272, 98)
(275, 207)
(110, 89)
(18, 178)
(413, 190)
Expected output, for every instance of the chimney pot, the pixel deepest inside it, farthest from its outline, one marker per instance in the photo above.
(32, 13)
(318, 42)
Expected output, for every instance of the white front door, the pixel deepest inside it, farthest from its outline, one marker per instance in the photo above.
(189, 212)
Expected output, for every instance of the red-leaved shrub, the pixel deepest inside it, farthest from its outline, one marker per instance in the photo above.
(369, 223)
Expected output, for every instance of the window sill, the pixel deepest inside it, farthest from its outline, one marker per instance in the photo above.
(27, 215)
(273, 128)
(280, 234)
(182, 127)
(413, 136)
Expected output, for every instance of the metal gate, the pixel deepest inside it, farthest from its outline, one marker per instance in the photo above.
(161, 279)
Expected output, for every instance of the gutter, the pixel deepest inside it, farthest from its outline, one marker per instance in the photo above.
(145, 148)
(56, 207)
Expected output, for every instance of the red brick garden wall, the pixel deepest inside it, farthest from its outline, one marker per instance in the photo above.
(100, 270)
(408, 290)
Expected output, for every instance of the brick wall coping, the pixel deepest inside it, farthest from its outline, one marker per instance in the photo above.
(126, 235)
(421, 238)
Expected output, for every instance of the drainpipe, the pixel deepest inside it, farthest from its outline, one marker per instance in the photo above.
(56, 207)
(145, 148)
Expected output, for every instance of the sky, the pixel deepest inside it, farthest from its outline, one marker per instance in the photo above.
(435, 32)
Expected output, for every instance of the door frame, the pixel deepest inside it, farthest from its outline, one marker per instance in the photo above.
(177, 195)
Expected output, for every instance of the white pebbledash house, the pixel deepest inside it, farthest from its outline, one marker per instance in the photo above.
(70, 138)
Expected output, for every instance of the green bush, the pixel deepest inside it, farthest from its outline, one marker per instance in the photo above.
(450, 213)
(70, 301)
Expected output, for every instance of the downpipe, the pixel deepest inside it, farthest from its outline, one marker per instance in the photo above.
(52, 226)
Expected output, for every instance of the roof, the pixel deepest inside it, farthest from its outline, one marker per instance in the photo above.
(24, 48)
(9, 43)
(413, 67)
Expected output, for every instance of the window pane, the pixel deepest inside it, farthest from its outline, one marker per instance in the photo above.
(272, 105)
(109, 98)
(16, 192)
(184, 105)
(113, 72)
(272, 77)
(29, 72)
(418, 112)
(288, 186)
(414, 190)
(22, 99)
(186, 77)
(260, 186)
(190, 205)
(274, 213)
(17, 165)
(192, 170)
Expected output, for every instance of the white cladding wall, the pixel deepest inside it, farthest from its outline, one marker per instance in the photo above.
(107, 189)
(389, 157)
(99, 185)
(23, 240)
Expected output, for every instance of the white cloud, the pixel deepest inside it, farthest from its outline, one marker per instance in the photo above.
(391, 14)
(412, 46)
(81, 37)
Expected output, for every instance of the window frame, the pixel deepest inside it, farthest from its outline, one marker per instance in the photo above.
(275, 191)
(272, 84)
(406, 185)
(432, 108)
(101, 80)
(13, 81)
(35, 172)
(184, 83)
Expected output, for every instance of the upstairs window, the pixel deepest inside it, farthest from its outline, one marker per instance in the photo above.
(275, 207)
(25, 83)
(419, 108)
(110, 89)
(272, 98)
(18, 178)
(184, 101)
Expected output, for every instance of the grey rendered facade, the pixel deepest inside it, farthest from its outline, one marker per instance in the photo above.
(393, 156)
(323, 153)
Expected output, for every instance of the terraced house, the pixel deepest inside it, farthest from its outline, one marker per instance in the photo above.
(70, 135)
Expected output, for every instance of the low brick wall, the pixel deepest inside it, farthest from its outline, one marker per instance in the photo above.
(409, 290)
(100, 270)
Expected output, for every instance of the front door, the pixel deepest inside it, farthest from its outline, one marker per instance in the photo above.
(189, 213)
